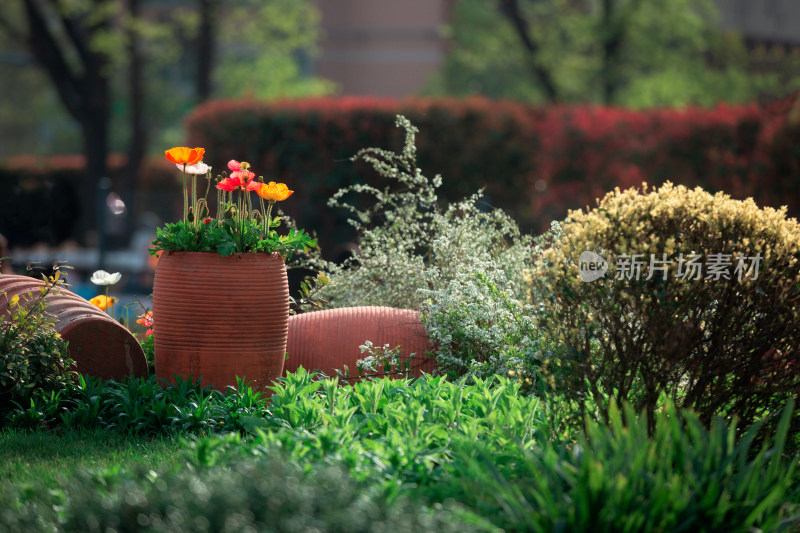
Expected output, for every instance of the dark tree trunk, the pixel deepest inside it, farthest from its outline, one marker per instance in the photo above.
(614, 22)
(95, 149)
(139, 135)
(206, 39)
(82, 84)
(612, 40)
(511, 10)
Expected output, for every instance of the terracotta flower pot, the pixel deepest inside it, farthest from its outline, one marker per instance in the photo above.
(217, 317)
(329, 340)
(99, 345)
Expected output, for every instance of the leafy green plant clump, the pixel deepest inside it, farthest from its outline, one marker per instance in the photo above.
(227, 237)
(618, 477)
(34, 359)
(699, 304)
(142, 406)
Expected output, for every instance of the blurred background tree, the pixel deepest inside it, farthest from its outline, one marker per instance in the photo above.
(103, 76)
(266, 51)
(633, 53)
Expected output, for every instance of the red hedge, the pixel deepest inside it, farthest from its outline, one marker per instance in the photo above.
(535, 162)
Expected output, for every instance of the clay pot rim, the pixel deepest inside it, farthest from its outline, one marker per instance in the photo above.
(236, 256)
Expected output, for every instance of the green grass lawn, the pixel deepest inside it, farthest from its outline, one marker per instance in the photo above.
(47, 455)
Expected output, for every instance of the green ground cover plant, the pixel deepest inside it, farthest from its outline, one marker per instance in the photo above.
(432, 449)
(247, 494)
(142, 406)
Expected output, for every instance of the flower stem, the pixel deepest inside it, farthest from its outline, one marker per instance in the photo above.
(194, 200)
(185, 196)
(264, 222)
(268, 220)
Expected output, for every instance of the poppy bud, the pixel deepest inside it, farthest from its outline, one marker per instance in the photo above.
(230, 213)
(260, 179)
(190, 216)
(257, 217)
(203, 210)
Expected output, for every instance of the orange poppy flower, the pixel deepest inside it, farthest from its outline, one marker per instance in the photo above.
(182, 155)
(103, 302)
(274, 192)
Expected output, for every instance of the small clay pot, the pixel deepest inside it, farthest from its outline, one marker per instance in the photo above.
(99, 345)
(217, 317)
(328, 340)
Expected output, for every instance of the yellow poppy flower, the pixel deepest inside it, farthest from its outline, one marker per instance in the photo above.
(103, 302)
(274, 192)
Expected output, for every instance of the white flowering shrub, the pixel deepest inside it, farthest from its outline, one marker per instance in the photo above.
(481, 329)
(408, 243)
(383, 361)
(463, 266)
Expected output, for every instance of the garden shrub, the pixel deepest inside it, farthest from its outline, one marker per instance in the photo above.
(407, 242)
(448, 262)
(727, 343)
(480, 330)
(34, 359)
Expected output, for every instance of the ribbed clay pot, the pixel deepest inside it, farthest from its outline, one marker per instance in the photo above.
(99, 345)
(217, 317)
(329, 340)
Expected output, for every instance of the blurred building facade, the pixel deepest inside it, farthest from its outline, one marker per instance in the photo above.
(382, 47)
(762, 21)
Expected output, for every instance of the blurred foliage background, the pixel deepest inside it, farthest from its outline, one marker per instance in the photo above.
(631, 53)
(103, 77)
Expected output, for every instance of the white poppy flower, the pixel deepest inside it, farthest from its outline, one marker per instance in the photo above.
(101, 277)
(197, 168)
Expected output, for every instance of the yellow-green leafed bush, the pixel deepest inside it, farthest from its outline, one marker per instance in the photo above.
(681, 310)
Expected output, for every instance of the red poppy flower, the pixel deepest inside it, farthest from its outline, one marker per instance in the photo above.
(229, 184)
(245, 178)
(146, 319)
